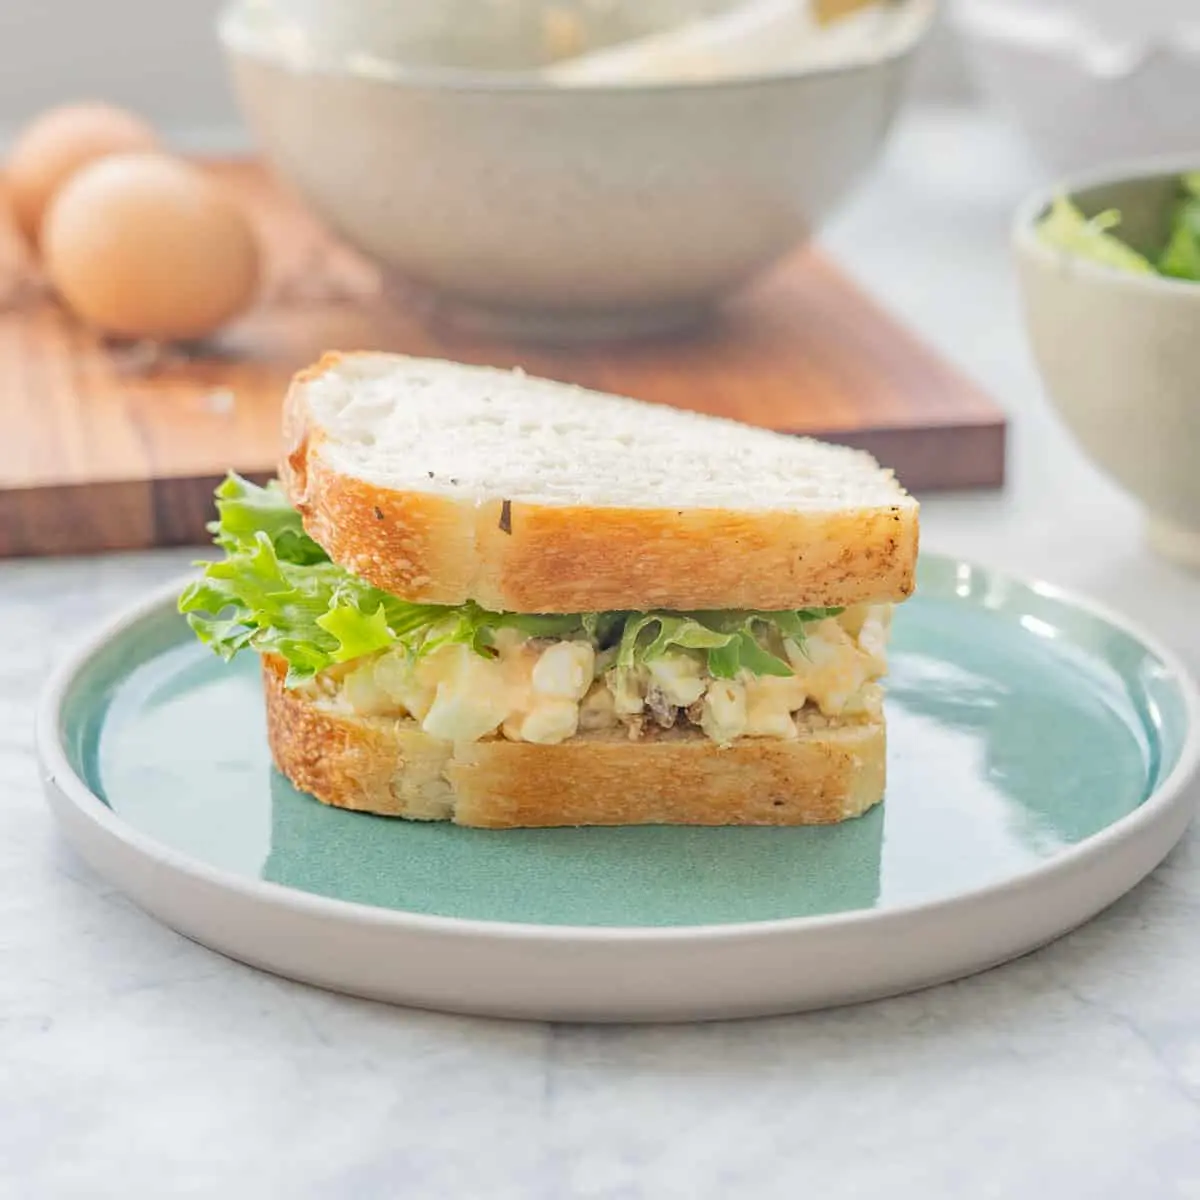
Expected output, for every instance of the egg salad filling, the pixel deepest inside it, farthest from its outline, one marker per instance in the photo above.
(464, 673)
(540, 690)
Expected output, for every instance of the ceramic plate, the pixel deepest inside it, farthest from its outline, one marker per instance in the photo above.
(1040, 757)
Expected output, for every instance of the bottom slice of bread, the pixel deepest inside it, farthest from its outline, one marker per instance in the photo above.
(833, 771)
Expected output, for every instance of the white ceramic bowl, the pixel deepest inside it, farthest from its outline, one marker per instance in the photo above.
(561, 211)
(1090, 82)
(1119, 351)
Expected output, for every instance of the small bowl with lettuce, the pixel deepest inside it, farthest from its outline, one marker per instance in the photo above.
(1109, 271)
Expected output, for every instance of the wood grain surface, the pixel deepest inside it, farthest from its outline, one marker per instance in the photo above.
(106, 447)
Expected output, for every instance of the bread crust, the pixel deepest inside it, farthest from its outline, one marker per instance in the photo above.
(834, 771)
(518, 557)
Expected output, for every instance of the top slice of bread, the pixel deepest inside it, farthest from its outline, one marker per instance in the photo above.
(444, 483)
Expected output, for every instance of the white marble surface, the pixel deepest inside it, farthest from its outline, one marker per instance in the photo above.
(135, 1064)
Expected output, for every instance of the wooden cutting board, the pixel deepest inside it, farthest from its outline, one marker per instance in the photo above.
(100, 450)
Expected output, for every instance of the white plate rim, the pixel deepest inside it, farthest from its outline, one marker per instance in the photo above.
(1161, 803)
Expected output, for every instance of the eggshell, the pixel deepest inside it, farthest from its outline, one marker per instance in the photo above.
(146, 246)
(60, 142)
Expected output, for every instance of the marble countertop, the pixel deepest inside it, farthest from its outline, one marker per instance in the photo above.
(134, 1063)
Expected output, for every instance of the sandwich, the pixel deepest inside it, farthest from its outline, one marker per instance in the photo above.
(506, 602)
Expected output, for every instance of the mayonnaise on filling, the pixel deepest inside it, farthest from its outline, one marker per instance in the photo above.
(541, 691)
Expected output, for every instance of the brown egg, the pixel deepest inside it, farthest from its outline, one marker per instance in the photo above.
(146, 246)
(57, 144)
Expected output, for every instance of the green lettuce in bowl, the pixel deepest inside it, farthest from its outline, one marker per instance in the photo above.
(1066, 228)
(1106, 268)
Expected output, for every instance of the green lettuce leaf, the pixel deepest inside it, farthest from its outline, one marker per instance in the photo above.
(1066, 228)
(1181, 257)
(275, 591)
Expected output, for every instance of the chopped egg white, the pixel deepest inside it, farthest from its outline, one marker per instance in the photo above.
(552, 721)
(565, 669)
(830, 666)
(362, 692)
(851, 619)
(470, 700)
(770, 702)
(764, 719)
(873, 640)
(679, 677)
(723, 717)
(394, 674)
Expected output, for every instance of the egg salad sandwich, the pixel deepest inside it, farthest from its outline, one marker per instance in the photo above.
(507, 602)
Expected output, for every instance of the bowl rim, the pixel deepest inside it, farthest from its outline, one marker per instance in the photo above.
(1025, 239)
(237, 39)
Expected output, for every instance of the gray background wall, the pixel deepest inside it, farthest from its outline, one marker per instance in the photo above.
(155, 55)
(160, 56)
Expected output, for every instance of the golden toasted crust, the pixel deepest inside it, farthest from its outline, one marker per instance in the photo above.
(519, 557)
(834, 771)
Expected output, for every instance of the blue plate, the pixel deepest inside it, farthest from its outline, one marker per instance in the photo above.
(1025, 730)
